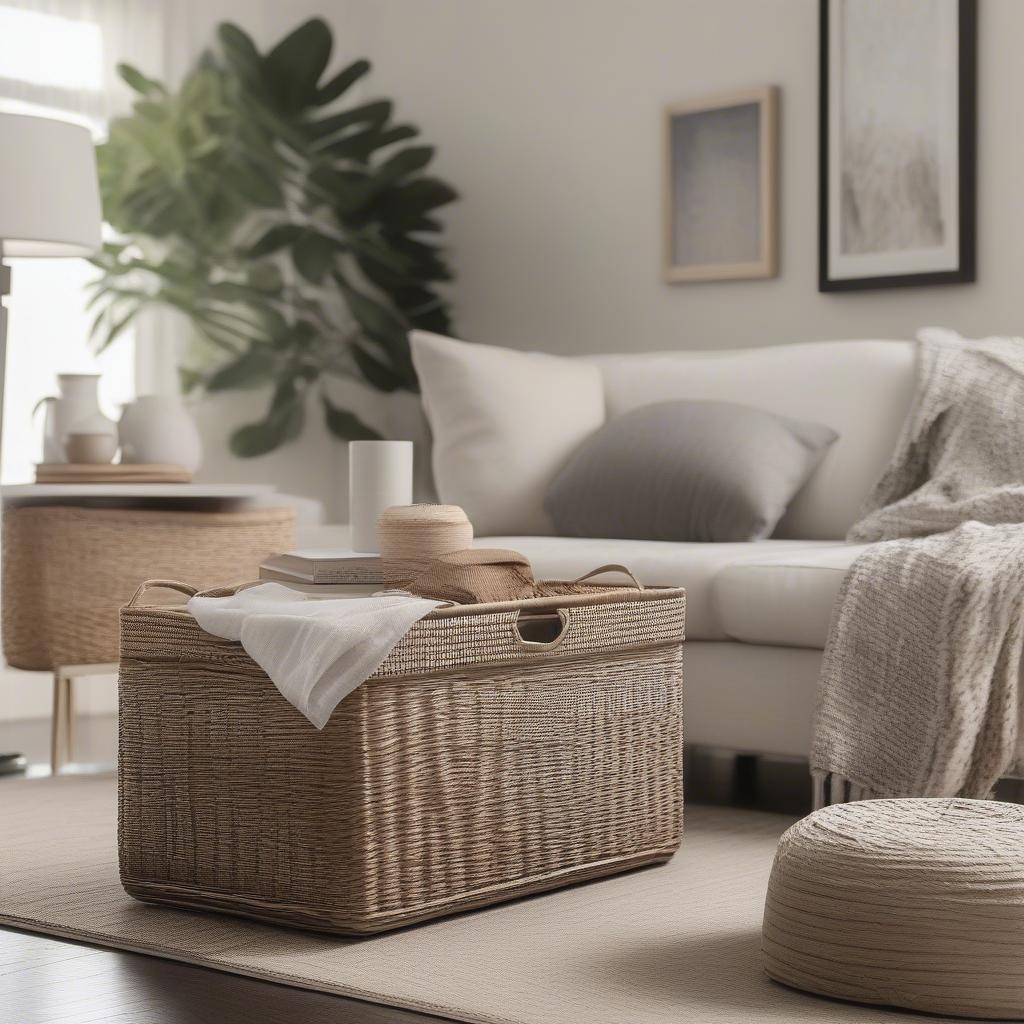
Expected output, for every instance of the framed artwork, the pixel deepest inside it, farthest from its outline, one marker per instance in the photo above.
(720, 174)
(896, 202)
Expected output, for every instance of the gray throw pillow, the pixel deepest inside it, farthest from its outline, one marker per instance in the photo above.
(686, 471)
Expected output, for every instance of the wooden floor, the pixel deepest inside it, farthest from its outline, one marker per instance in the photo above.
(50, 981)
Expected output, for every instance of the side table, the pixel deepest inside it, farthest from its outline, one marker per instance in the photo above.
(73, 554)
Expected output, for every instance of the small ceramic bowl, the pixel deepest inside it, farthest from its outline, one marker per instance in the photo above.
(90, 449)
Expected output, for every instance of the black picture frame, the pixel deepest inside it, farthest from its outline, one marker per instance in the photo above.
(967, 68)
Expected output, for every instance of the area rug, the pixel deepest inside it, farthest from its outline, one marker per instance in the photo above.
(667, 944)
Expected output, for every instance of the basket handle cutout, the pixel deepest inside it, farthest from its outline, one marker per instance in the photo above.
(182, 588)
(541, 632)
(611, 567)
(230, 589)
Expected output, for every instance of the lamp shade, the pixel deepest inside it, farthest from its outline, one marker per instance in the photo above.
(49, 195)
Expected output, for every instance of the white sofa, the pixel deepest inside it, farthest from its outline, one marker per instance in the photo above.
(758, 613)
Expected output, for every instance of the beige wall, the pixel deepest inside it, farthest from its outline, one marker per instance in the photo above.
(546, 115)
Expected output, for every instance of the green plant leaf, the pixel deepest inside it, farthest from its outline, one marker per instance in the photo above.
(362, 144)
(435, 320)
(376, 371)
(190, 379)
(137, 81)
(301, 334)
(380, 274)
(403, 163)
(265, 277)
(382, 251)
(274, 239)
(426, 260)
(376, 112)
(341, 82)
(314, 255)
(283, 423)
(346, 425)
(256, 439)
(345, 191)
(377, 320)
(254, 185)
(423, 308)
(241, 53)
(265, 125)
(384, 326)
(252, 369)
(118, 327)
(422, 224)
(272, 214)
(293, 67)
(414, 198)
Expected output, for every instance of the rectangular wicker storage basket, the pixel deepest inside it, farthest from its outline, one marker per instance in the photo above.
(500, 750)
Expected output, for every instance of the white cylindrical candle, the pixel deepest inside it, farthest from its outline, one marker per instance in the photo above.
(379, 476)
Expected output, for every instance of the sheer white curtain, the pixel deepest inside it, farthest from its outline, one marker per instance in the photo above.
(58, 58)
(62, 55)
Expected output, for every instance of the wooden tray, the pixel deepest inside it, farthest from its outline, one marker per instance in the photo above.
(111, 473)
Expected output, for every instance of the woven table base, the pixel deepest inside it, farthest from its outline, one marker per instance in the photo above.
(67, 571)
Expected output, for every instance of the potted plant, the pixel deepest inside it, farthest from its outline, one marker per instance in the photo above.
(293, 228)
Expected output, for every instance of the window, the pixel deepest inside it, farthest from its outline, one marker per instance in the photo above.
(73, 49)
(57, 58)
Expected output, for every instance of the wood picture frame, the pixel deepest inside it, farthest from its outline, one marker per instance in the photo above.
(896, 207)
(719, 187)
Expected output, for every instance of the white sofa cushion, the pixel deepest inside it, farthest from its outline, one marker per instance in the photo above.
(666, 563)
(786, 598)
(862, 389)
(503, 424)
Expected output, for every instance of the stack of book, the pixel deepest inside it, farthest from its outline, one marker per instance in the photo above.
(327, 572)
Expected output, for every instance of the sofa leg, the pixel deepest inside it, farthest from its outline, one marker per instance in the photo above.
(745, 789)
(766, 782)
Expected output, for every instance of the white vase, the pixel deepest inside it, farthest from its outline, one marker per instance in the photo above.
(158, 428)
(76, 411)
(379, 477)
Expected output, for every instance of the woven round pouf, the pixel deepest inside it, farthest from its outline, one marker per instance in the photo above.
(910, 903)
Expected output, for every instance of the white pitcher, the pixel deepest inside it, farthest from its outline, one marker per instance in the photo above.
(76, 411)
(158, 428)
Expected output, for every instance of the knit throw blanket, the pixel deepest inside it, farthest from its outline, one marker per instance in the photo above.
(919, 688)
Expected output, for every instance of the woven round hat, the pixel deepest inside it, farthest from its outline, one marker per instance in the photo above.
(910, 903)
(476, 576)
(411, 536)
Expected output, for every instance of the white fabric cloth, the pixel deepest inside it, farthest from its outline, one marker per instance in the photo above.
(316, 652)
